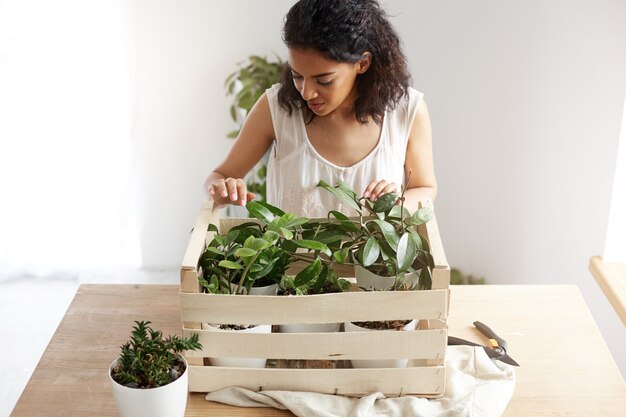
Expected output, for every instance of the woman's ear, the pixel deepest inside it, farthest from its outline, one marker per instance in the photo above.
(364, 63)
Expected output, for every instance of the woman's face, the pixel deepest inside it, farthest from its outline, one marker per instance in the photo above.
(326, 85)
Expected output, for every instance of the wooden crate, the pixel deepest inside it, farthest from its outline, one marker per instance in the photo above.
(425, 347)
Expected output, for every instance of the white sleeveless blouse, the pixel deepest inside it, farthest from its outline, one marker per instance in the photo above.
(295, 168)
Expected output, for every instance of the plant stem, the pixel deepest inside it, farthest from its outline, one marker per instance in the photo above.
(245, 272)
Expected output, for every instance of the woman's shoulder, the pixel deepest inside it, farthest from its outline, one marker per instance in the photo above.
(407, 105)
(413, 96)
(272, 92)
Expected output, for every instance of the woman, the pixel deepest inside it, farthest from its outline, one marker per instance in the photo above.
(343, 112)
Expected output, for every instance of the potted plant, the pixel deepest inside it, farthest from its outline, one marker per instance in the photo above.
(388, 252)
(316, 278)
(388, 325)
(246, 85)
(383, 242)
(150, 376)
(251, 256)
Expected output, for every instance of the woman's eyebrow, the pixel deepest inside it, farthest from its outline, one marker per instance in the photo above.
(325, 74)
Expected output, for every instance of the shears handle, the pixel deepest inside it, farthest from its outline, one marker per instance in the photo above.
(484, 329)
(458, 341)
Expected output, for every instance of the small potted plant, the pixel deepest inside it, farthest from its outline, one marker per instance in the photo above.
(150, 376)
(316, 278)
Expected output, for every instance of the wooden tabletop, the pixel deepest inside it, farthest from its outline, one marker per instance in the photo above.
(611, 277)
(566, 368)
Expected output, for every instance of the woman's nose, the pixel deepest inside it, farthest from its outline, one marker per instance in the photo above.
(308, 91)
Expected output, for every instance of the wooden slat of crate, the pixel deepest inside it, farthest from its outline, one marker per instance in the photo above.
(425, 381)
(419, 344)
(324, 308)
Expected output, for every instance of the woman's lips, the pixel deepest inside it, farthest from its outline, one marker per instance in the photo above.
(314, 106)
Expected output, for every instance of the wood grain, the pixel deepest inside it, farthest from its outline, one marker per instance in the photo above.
(322, 308)
(566, 368)
(419, 344)
(611, 277)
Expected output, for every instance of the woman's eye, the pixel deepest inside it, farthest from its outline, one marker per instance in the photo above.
(296, 77)
(320, 82)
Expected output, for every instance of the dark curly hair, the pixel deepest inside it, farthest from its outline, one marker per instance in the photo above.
(343, 30)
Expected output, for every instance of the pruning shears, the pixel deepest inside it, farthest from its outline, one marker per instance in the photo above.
(497, 345)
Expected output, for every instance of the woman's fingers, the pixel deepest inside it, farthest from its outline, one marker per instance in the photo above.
(379, 187)
(230, 191)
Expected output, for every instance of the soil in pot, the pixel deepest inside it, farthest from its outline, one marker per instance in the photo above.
(394, 325)
(238, 362)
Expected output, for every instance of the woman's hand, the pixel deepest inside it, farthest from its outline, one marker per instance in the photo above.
(377, 188)
(230, 191)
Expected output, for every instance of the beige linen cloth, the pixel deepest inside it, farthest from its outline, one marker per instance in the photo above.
(476, 386)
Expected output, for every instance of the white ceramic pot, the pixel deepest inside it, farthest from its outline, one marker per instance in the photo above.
(370, 281)
(266, 290)
(167, 401)
(310, 328)
(240, 362)
(378, 363)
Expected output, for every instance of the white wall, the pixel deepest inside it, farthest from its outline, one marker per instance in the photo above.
(525, 99)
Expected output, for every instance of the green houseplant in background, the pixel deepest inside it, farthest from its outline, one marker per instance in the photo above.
(457, 277)
(246, 85)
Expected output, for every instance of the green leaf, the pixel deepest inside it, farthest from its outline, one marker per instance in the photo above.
(422, 216)
(296, 221)
(229, 265)
(385, 202)
(267, 268)
(341, 195)
(271, 236)
(245, 253)
(400, 213)
(313, 245)
(230, 78)
(259, 244)
(321, 280)
(287, 234)
(214, 250)
(274, 210)
(233, 134)
(346, 189)
(341, 255)
(260, 212)
(371, 251)
(425, 281)
(405, 254)
(339, 215)
(233, 113)
(307, 274)
(212, 228)
(389, 232)
(417, 239)
(344, 221)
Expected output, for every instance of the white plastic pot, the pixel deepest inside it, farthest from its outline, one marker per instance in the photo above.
(378, 363)
(370, 281)
(266, 290)
(167, 401)
(240, 362)
(310, 328)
